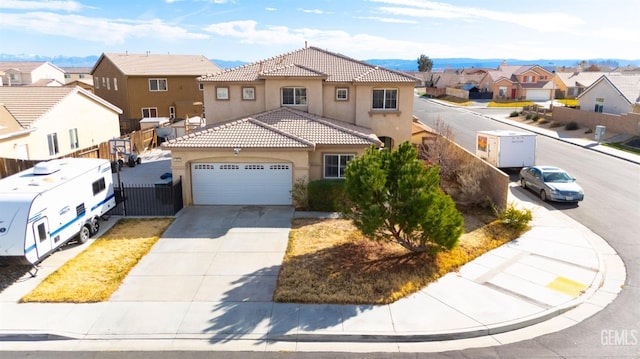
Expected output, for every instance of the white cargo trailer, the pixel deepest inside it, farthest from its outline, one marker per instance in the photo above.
(46, 206)
(506, 149)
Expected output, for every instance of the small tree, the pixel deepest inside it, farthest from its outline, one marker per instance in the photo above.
(395, 197)
(425, 64)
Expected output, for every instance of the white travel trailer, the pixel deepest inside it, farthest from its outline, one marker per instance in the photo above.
(44, 207)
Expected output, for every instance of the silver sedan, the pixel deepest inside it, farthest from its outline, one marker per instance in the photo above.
(551, 183)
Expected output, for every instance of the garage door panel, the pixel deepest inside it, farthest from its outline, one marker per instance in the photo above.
(242, 183)
(537, 95)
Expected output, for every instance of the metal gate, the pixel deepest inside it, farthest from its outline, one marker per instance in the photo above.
(160, 199)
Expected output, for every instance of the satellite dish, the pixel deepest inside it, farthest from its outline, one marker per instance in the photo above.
(164, 132)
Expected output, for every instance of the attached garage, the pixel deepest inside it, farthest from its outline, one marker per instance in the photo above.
(538, 95)
(241, 183)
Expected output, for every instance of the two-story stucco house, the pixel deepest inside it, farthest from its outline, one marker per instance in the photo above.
(41, 123)
(528, 82)
(295, 117)
(152, 85)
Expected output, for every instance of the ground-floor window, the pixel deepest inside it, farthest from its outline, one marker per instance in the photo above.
(52, 139)
(335, 164)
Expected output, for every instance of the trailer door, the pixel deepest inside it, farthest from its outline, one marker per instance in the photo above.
(41, 235)
(493, 151)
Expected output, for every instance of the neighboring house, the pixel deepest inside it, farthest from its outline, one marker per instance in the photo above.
(459, 79)
(286, 120)
(41, 123)
(612, 93)
(528, 82)
(21, 73)
(572, 84)
(150, 85)
(77, 75)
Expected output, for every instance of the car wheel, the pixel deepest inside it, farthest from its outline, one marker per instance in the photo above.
(94, 226)
(84, 234)
(523, 183)
(543, 196)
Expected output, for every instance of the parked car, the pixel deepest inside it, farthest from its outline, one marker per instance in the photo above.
(551, 183)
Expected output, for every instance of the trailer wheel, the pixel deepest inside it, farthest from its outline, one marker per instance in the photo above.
(94, 226)
(84, 234)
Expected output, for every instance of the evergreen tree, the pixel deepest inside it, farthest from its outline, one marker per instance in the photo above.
(395, 196)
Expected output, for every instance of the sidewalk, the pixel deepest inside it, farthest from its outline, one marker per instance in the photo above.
(556, 275)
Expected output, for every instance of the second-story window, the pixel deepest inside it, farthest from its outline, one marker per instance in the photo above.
(157, 84)
(294, 96)
(385, 99)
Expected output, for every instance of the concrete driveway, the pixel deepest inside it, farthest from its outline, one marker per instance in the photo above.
(213, 254)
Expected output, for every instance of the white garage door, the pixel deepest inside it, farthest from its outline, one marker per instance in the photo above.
(538, 95)
(241, 183)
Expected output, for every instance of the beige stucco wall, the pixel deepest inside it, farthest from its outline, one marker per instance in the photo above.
(320, 101)
(613, 103)
(95, 123)
(307, 165)
(235, 107)
(181, 163)
(47, 71)
(389, 123)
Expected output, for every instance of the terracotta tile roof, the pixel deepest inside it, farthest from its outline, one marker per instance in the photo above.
(292, 70)
(28, 103)
(281, 128)
(160, 64)
(338, 68)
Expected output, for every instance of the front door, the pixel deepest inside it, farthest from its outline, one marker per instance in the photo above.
(41, 236)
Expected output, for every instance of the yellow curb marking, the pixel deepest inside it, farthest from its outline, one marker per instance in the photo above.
(567, 286)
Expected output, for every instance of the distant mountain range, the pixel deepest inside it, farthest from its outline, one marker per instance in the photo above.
(394, 64)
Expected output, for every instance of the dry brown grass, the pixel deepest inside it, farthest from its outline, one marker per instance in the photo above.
(329, 261)
(94, 274)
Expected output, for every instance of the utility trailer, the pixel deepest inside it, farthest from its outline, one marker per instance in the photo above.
(506, 149)
(48, 205)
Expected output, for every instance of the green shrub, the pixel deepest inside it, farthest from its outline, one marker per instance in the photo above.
(535, 117)
(514, 114)
(554, 124)
(513, 217)
(300, 194)
(573, 125)
(543, 121)
(326, 195)
(528, 117)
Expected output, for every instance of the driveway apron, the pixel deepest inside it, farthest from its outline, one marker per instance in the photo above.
(209, 255)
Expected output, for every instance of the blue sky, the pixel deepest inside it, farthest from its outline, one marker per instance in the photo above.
(363, 29)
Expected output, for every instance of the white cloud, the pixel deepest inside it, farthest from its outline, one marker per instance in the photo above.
(389, 20)
(314, 11)
(270, 9)
(354, 45)
(106, 31)
(70, 6)
(542, 21)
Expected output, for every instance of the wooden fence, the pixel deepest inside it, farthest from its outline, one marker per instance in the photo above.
(141, 141)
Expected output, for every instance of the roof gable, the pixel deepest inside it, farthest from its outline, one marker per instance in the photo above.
(626, 85)
(28, 104)
(337, 68)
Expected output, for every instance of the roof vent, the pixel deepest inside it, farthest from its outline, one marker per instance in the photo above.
(46, 168)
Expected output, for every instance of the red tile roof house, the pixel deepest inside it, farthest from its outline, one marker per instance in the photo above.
(292, 118)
